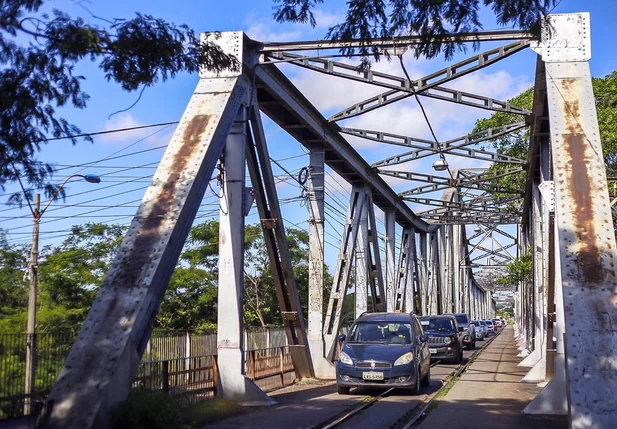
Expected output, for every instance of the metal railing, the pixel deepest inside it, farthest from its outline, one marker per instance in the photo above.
(193, 379)
(270, 368)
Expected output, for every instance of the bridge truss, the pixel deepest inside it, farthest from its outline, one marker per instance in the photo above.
(562, 216)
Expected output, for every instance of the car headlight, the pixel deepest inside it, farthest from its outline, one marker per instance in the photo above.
(446, 340)
(404, 359)
(344, 358)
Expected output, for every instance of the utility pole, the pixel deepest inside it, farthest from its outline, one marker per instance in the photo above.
(31, 328)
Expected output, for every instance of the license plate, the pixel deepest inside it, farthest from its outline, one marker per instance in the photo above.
(372, 375)
(433, 351)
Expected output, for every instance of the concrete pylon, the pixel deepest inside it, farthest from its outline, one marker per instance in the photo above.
(323, 368)
(232, 383)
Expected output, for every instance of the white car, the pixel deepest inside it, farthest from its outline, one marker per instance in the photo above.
(481, 330)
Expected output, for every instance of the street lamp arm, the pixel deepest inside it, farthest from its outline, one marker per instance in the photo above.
(88, 177)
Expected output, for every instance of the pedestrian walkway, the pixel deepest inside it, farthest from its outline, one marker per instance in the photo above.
(489, 395)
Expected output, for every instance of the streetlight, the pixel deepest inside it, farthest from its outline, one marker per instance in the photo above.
(37, 213)
(440, 165)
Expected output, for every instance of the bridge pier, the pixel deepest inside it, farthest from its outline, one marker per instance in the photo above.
(362, 259)
(323, 368)
(232, 383)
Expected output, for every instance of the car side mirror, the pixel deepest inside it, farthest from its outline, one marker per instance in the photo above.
(341, 337)
(423, 338)
(461, 329)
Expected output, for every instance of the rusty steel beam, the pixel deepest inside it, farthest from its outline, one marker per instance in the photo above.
(104, 358)
(585, 235)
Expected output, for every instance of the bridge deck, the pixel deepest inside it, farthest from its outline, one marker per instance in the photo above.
(488, 395)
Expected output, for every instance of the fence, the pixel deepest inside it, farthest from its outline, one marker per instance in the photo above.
(178, 362)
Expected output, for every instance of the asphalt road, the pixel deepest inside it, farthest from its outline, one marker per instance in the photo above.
(311, 407)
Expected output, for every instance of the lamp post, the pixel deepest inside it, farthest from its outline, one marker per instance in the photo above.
(37, 213)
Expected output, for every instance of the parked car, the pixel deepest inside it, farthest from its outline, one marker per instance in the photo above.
(481, 330)
(503, 322)
(384, 350)
(469, 330)
(489, 326)
(445, 337)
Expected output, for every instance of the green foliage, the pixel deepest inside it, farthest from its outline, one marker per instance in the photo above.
(516, 144)
(519, 271)
(605, 91)
(13, 285)
(433, 20)
(38, 55)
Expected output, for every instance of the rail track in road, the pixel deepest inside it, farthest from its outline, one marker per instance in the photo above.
(402, 411)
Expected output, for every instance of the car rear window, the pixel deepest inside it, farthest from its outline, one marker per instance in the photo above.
(436, 324)
(380, 332)
(461, 319)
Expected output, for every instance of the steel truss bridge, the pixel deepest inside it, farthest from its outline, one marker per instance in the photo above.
(566, 318)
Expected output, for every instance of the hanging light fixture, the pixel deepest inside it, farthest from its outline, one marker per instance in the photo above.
(440, 165)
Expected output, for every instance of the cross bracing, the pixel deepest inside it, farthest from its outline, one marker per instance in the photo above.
(430, 268)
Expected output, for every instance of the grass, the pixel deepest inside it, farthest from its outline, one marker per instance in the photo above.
(161, 411)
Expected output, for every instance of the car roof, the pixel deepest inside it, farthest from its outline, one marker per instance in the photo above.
(384, 317)
(437, 316)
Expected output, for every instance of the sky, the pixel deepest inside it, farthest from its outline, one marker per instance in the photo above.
(126, 161)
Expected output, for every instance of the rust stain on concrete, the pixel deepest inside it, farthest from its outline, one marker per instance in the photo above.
(581, 187)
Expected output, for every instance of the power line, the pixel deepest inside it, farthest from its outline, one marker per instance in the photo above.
(117, 130)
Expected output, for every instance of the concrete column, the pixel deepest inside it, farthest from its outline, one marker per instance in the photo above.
(390, 259)
(457, 286)
(323, 368)
(552, 400)
(230, 342)
(422, 276)
(362, 261)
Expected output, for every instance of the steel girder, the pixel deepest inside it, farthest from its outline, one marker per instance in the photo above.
(285, 105)
(455, 146)
(396, 83)
(275, 239)
(342, 273)
(481, 36)
(440, 77)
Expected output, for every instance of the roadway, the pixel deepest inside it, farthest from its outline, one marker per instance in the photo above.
(317, 406)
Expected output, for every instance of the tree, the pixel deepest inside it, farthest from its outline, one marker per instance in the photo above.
(39, 51)
(69, 277)
(516, 144)
(13, 285)
(518, 271)
(38, 54)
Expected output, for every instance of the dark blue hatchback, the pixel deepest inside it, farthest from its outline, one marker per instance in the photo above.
(384, 350)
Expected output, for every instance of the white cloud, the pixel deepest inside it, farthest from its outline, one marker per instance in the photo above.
(151, 136)
(326, 18)
(262, 31)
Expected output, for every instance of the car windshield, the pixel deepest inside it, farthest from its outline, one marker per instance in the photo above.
(437, 324)
(462, 319)
(381, 333)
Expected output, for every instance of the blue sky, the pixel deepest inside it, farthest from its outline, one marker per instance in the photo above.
(124, 177)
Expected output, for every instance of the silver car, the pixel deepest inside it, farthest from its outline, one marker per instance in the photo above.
(481, 329)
